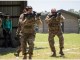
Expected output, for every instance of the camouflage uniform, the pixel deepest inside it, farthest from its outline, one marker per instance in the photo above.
(18, 33)
(28, 34)
(54, 25)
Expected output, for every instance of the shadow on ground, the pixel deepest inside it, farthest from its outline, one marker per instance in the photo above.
(5, 51)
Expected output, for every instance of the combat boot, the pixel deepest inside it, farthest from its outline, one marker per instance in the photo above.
(30, 56)
(24, 57)
(16, 54)
(53, 54)
(61, 52)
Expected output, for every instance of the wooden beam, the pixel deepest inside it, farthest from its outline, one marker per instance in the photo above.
(14, 16)
(9, 5)
(23, 5)
(15, 27)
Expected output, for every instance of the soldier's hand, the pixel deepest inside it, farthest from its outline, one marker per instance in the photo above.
(53, 17)
(17, 33)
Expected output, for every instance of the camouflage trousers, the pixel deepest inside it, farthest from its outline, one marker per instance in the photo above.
(52, 42)
(19, 49)
(27, 38)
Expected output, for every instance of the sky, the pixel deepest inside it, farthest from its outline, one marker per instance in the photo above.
(47, 5)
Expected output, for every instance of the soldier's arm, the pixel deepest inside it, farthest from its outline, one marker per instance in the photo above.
(38, 21)
(18, 29)
(21, 18)
(19, 24)
(62, 18)
(47, 19)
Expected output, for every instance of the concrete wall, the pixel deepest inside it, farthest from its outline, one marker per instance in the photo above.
(70, 23)
(44, 27)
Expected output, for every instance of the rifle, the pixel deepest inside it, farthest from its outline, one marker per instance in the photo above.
(55, 15)
(30, 15)
(38, 14)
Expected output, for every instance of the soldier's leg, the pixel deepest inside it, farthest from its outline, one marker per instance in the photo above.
(23, 46)
(31, 45)
(61, 43)
(19, 47)
(51, 43)
(18, 51)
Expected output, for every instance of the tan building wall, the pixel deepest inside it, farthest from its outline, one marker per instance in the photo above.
(70, 23)
(44, 28)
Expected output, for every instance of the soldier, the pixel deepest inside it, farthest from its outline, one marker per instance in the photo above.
(54, 20)
(28, 32)
(18, 32)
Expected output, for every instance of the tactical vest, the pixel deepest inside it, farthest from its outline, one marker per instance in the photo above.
(28, 26)
(54, 25)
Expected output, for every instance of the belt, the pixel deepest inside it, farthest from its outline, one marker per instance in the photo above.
(27, 27)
